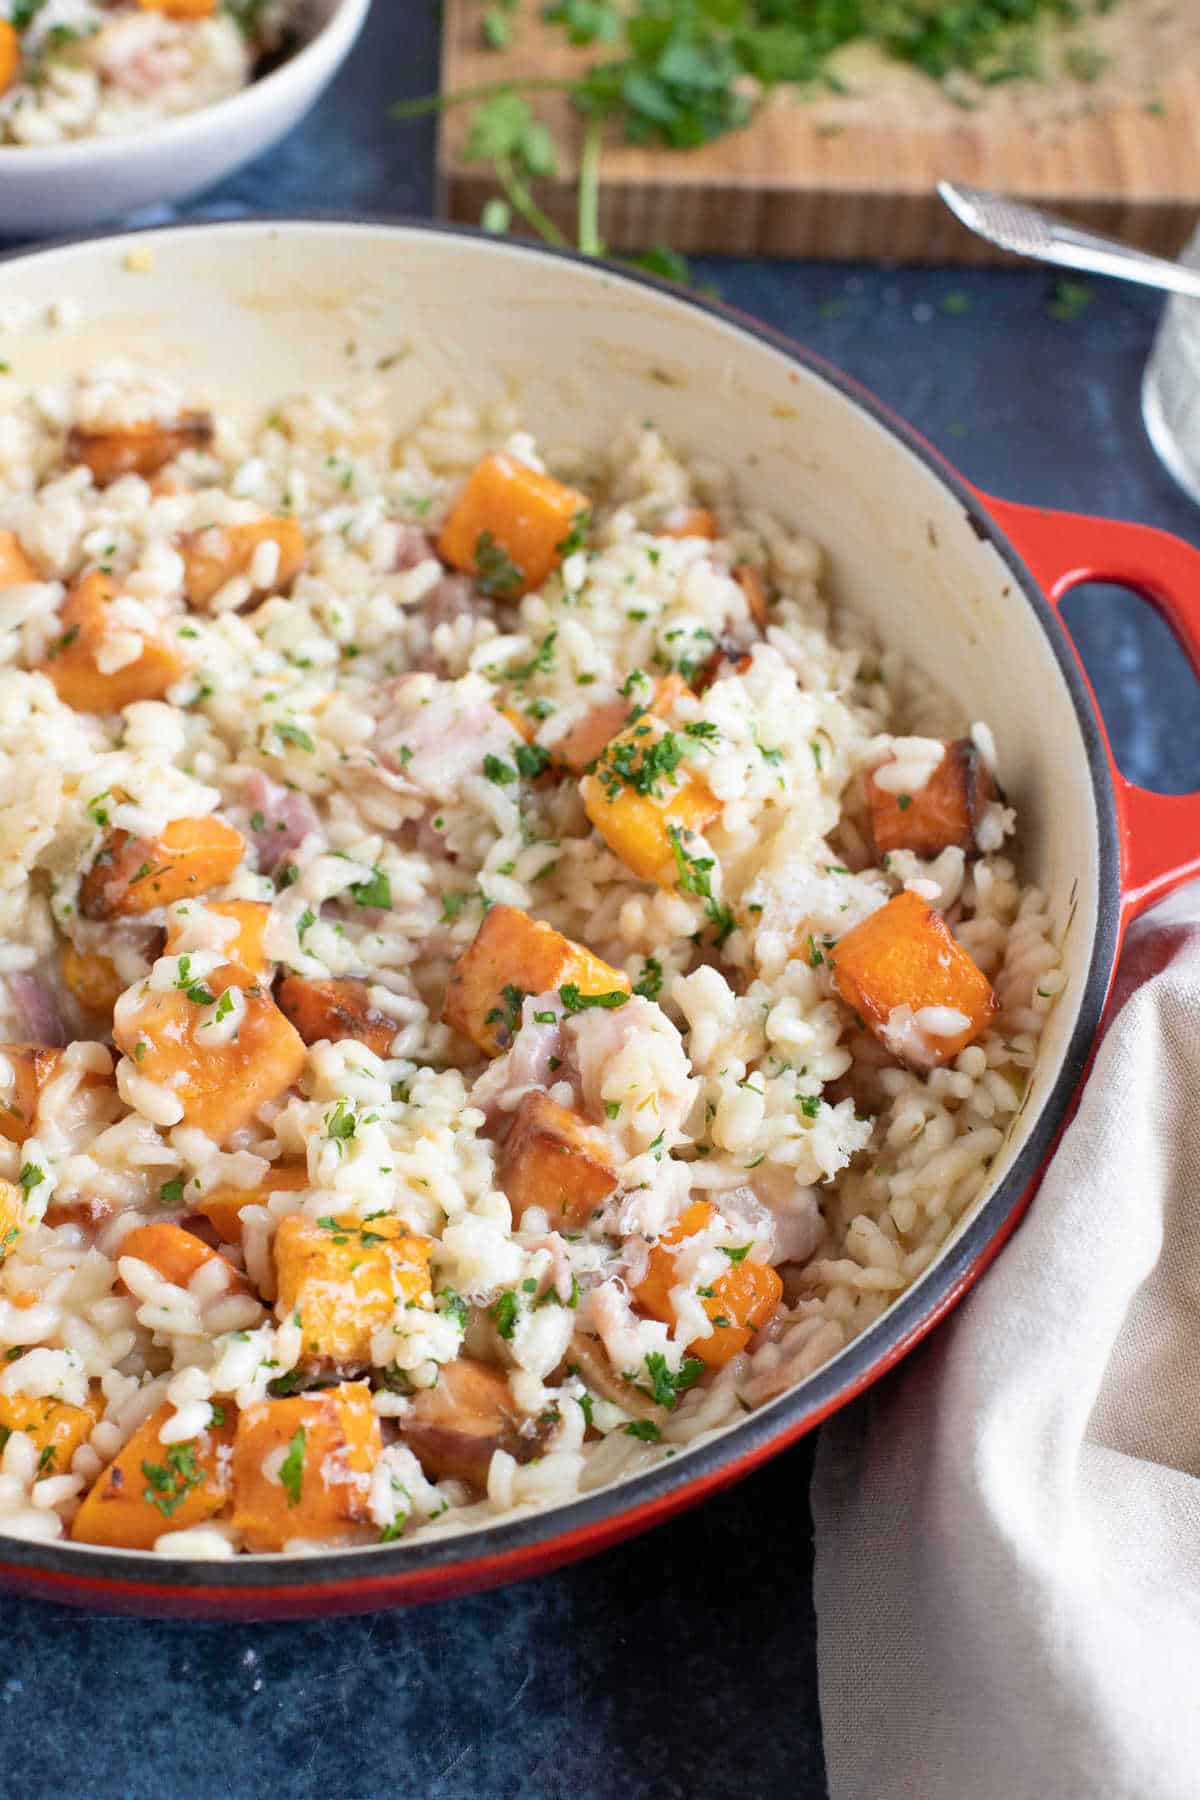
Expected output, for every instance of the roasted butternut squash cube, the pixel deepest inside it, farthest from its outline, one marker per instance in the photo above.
(214, 555)
(689, 522)
(554, 1159)
(509, 526)
(142, 448)
(57, 1430)
(180, 9)
(741, 1301)
(10, 55)
(15, 566)
(944, 813)
(646, 798)
(133, 875)
(177, 1255)
(578, 749)
(245, 947)
(222, 1205)
(906, 978)
(25, 1071)
(512, 956)
(336, 1009)
(219, 1084)
(73, 660)
(302, 1467)
(152, 1488)
(92, 978)
(343, 1277)
(455, 1428)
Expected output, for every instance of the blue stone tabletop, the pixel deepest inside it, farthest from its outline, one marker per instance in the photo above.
(681, 1666)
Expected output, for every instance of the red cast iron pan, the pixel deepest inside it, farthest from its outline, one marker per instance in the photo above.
(1149, 844)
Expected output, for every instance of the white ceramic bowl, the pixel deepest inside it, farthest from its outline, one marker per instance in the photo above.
(64, 187)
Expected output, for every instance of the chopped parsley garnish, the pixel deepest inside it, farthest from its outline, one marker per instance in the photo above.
(649, 982)
(499, 771)
(452, 905)
(508, 1015)
(639, 762)
(540, 664)
(644, 1429)
(30, 1177)
(341, 1123)
(503, 1314)
(904, 801)
(736, 1252)
(576, 1002)
(305, 922)
(532, 760)
(187, 984)
(172, 1482)
(815, 958)
(375, 892)
(286, 877)
(810, 1105)
(612, 1109)
(292, 734)
(291, 1469)
(64, 642)
(574, 539)
(451, 1305)
(171, 1192)
(496, 574)
(665, 1386)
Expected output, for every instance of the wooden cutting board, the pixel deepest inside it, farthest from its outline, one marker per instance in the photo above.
(853, 175)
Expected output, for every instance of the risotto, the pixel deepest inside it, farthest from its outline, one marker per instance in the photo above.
(100, 68)
(498, 976)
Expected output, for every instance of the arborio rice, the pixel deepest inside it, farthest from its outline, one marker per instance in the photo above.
(346, 1199)
(102, 68)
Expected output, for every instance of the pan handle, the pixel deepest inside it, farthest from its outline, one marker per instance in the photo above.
(1159, 833)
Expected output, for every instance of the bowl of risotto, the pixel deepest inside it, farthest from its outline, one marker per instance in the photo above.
(111, 105)
(559, 878)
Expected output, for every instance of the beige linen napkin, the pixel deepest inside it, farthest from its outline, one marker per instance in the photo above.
(1008, 1529)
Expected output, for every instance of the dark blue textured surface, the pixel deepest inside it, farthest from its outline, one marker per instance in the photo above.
(680, 1667)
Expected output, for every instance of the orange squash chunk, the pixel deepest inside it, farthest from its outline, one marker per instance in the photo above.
(33, 1068)
(245, 948)
(455, 1428)
(554, 1159)
(578, 749)
(221, 1085)
(903, 956)
(180, 9)
(71, 660)
(222, 1205)
(343, 1277)
(177, 1254)
(10, 64)
(741, 1302)
(92, 978)
(336, 1010)
(132, 875)
(641, 829)
(214, 555)
(142, 448)
(689, 522)
(302, 1467)
(15, 566)
(944, 813)
(152, 1488)
(513, 955)
(508, 526)
(57, 1429)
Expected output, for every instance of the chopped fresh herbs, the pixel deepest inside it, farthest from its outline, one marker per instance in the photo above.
(540, 664)
(292, 734)
(736, 1252)
(171, 1482)
(532, 760)
(649, 982)
(30, 1177)
(503, 1314)
(645, 1429)
(291, 1469)
(904, 801)
(577, 535)
(508, 1015)
(171, 1192)
(499, 771)
(341, 1123)
(576, 1002)
(810, 1105)
(375, 892)
(667, 1385)
(496, 574)
(452, 905)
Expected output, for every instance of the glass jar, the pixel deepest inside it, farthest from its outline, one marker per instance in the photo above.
(1171, 386)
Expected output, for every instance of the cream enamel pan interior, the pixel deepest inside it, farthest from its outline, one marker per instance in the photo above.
(245, 314)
